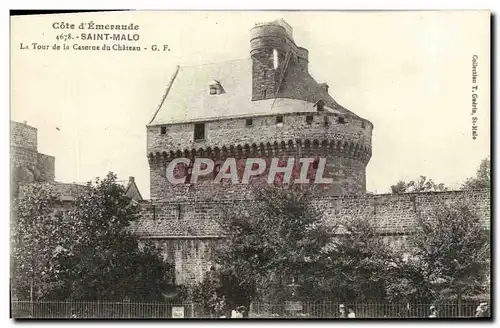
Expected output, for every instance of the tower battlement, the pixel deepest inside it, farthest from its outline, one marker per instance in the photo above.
(266, 106)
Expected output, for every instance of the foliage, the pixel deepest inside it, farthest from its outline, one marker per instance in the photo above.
(482, 179)
(452, 250)
(358, 267)
(36, 234)
(422, 185)
(268, 243)
(89, 250)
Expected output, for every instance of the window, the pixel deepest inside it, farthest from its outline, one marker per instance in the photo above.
(264, 93)
(363, 125)
(279, 119)
(315, 164)
(249, 122)
(341, 120)
(216, 170)
(199, 131)
(325, 121)
(163, 130)
(309, 119)
(275, 59)
(216, 88)
(189, 173)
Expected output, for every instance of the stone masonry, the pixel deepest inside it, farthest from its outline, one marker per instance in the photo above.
(266, 106)
(27, 164)
(188, 231)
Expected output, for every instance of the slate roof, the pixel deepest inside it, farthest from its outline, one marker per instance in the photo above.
(187, 97)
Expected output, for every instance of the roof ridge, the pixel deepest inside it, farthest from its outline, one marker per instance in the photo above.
(166, 93)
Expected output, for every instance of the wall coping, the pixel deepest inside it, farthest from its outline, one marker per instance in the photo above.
(354, 196)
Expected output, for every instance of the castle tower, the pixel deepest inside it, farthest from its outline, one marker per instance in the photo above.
(27, 164)
(267, 106)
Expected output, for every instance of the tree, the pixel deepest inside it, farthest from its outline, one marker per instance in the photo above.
(118, 266)
(422, 185)
(358, 266)
(89, 250)
(36, 235)
(452, 250)
(482, 179)
(268, 244)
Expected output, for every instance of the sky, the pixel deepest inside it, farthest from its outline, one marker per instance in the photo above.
(409, 73)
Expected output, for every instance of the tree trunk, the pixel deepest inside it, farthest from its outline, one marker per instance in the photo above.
(459, 302)
(31, 298)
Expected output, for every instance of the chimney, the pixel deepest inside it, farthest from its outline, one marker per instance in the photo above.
(324, 86)
(131, 179)
(25, 122)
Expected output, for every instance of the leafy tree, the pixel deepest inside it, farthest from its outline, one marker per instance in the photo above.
(36, 234)
(452, 250)
(482, 179)
(268, 244)
(89, 250)
(422, 185)
(358, 267)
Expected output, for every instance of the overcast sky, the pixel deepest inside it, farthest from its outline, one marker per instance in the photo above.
(410, 74)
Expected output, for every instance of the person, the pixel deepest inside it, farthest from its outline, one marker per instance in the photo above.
(242, 311)
(482, 310)
(236, 314)
(433, 312)
(351, 313)
(342, 311)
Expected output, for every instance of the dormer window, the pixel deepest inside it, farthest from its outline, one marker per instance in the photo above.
(213, 89)
(249, 122)
(163, 130)
(309, 119)
(216, 88)
(320, 104)
(341, 120)
(279, 119)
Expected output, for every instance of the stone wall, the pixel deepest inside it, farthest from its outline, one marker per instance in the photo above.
(233, 132)
(347, 147)
(187, 230)
(27, 164)
(23, 135)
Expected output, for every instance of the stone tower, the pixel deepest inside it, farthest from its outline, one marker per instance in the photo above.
(267, 106)
(27, 164)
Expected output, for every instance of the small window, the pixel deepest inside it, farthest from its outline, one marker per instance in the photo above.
(213, 90)
(249, 122)
(309, 119)
(163, 130)
(189, 173)
(199, 131)
(321, 105)
(216, 170)
(341, 120)
(325, 121)
(279, 119)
